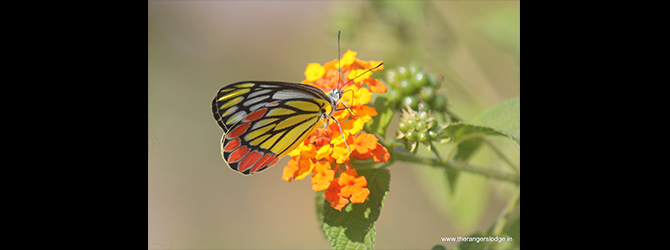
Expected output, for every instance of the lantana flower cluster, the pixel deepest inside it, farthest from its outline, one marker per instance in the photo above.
(324, 154)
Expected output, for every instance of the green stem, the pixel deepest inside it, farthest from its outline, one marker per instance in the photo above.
(437, 154)
(453, 145)
(502, 220)
(459, 165)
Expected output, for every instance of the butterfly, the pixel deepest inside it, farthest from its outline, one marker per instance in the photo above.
(265, 120)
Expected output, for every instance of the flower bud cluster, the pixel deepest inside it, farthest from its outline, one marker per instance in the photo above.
(411, 85)
(417, 127)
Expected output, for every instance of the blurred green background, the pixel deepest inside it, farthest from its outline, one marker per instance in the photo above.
(197, 47)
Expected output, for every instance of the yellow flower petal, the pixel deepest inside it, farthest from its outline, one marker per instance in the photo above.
(296, 151)
(374, 64)
(324, 152)
(314, 71)
(357, 126)
(354, 73)
(341, 154)
(364, 96)
(348, 58)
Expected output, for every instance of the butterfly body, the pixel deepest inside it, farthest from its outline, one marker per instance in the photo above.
(265, 120)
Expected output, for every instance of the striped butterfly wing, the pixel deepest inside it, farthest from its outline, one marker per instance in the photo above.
(263, 121)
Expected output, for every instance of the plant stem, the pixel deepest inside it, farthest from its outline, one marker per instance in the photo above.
(459, 165)
(434, 150)
(502, 220)
(453, 145)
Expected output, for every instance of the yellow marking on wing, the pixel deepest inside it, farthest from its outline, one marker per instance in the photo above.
(280, 111)
(245, 85)
(326, 105)
(228, 112)
(234, 93)
(259, 139)
(295, 136)
(304, 105)
(283, 144)
(258, 132)
(310, 118)
(267, 144)
(231, 103)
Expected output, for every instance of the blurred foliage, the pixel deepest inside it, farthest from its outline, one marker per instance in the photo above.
(433, 32)
(424, 33)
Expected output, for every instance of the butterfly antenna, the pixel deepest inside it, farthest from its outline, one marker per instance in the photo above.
(339, 58)
(359, 75)
(339, 71)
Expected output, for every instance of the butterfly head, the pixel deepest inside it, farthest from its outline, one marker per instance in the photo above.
(335, 95)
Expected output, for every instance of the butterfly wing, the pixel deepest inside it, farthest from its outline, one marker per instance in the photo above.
(263, 121)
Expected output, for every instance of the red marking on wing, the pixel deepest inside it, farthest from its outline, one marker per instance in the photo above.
(273, 162)
(262, 162)
(238, 130)
(232, 145)
(273, 104)
(238, 154)
(249, 161)
(255, 115)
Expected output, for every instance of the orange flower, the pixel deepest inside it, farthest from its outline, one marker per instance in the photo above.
(353, 186)
(367, 146)
(376, 85)
(364, 143)
(380, 154)
(334, 197)
(325, 147)
(297, 169)
(324, 175)
(349, 187)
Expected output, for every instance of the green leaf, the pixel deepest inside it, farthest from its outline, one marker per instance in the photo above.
(319, 204)
(439, 247)
(461, 131)
(502, 120)
(380, 122)
(354, 226)
(504, 117)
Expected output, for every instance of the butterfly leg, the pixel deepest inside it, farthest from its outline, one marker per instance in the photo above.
(346, 107)
(342, 133)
